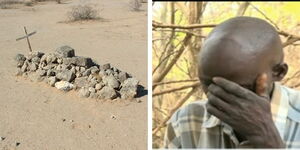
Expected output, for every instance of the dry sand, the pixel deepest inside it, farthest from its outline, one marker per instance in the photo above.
(41, 117)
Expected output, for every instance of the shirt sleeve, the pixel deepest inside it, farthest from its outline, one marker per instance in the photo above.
(171, 140)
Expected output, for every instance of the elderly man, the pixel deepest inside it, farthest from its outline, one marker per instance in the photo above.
(239, 66)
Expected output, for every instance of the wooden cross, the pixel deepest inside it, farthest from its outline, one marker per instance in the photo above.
(27, 37)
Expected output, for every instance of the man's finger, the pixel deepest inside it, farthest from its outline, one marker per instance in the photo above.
(261, 85)
(218, 103)
(233, 88)
(222, 94)
(214, 111)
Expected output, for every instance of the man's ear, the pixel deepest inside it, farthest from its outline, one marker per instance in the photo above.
(279, 71)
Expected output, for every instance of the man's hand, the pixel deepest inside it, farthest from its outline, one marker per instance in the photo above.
(248, 113)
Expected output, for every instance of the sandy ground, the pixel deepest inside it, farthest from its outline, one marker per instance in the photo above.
(41, 117)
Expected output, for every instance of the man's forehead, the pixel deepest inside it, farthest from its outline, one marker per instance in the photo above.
(240, 78)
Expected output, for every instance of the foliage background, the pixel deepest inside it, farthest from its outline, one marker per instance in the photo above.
(176, 44)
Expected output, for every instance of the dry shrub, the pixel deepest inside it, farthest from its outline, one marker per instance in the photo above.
(7, 4)
(83, 12)
(28, 3)
(135, 5)
(57, 1)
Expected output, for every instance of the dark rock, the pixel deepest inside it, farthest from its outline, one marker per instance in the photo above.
(78, 74)
(109, 72)
(51, 81)
(41, 72)
(93, 95)
(129, 88)
(90, 77)
(78, 61)
(24, 68)
(69, 61)
(33, 67)
(102, 73)
(35, 54)
(105, 66)
(66, 75)
(35, 77)
(73, 70)
(81, 82)
(86, 72)
(92, 90)
(20, 59)
(131, 82)
(44, 58)
(38, 54)
(84, 92)
(99, 86)
(92, 83)
(59, 60)
(36, 60)
(77, 68)
(59, 68)
(107, 93)
(83, 61)
(111, 81)
(51, 58)
(51, 72)
(123, 76)
(115, 69)
(82, 69)
(65, 51)
(98, 77)
(49, 66)
(128, 93)
(94, 70)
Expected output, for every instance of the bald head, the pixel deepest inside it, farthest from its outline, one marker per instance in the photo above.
(239, 49)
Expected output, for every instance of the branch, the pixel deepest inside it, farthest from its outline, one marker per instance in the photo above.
(295, 75)
(265, 16)
(156, 108)
(155, 24)
(296, 85)
(178, 81)
(161, 76)
(290, 41)
(196, 84)
(242, 9)
(283, 33)
(291, 38)
(178, 105)
(162, 61)
(185, 31)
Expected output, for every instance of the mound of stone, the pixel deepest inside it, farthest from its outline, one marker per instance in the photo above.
(66, 71)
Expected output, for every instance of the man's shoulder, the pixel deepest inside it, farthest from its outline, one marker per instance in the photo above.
(293, 98)
(195, 111)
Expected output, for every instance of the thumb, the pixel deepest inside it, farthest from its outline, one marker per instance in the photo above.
(261, 85)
